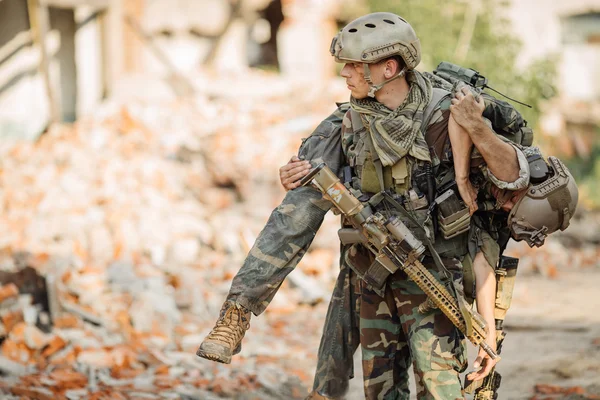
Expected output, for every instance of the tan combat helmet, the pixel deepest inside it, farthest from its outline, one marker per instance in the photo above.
(546, 207)
(374, 37)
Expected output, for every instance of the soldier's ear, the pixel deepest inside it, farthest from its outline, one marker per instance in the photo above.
(391, 69)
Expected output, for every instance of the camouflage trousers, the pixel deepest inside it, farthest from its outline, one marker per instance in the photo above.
(394, 334)
(340, 338)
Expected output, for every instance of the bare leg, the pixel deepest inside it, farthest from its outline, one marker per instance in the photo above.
(485, 296)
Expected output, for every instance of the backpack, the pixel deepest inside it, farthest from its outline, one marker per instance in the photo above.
(505, 119)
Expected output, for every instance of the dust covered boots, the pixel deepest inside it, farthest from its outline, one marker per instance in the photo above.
(225, 339)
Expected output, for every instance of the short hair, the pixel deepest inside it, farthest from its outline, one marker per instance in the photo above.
(398, 59)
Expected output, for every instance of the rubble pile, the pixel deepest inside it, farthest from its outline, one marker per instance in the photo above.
(137, 218)
(130, 341)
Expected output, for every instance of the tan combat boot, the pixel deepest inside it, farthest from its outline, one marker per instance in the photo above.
(225, 339)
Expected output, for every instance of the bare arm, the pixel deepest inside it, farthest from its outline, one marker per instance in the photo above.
(500, 157)
(461, 154)
(485, 296)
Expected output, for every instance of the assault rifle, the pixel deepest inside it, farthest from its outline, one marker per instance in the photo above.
(396, 248)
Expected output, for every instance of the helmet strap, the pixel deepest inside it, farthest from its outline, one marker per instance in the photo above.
(566, 217)
(521, 230)
(374, 88)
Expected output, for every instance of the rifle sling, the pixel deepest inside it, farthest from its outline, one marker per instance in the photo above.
(376, 161)
(434, 254)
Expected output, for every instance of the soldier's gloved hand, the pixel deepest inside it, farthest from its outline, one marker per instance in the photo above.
(291, 173)
(466, 108)
(483, 363)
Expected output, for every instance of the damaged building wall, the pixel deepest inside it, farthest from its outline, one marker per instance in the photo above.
(569, 32)
(24, 109)
(581, 58)
(26, 100)
(92, 49)
(293, 36)
(306, 37)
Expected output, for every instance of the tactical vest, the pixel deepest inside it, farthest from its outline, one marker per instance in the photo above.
(371, 177)
(363, 159)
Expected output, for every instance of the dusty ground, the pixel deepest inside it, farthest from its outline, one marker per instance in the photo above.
(553, 334)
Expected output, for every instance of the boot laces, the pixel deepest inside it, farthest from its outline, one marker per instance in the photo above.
(231, 326)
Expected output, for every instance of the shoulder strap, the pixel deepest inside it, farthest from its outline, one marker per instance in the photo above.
(357, 125)
(438, 95)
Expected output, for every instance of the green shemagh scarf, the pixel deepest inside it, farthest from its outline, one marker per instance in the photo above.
(397, 133)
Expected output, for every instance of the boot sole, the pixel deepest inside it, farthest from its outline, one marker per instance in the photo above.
(214, 357)
(214, 353)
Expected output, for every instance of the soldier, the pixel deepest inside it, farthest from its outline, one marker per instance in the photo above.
(384, 143)
(292, 225)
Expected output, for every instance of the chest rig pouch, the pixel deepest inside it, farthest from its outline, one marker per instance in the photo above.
(372, 176)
